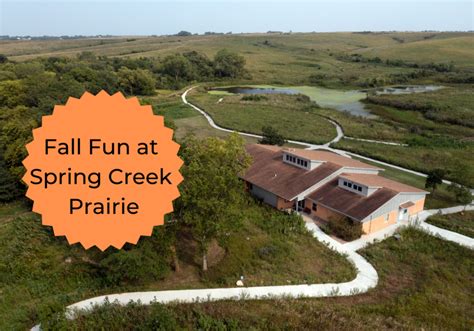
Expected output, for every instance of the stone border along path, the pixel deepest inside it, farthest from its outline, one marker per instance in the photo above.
(366, 278)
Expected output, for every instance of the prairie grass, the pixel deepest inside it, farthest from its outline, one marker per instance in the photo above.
(423, 285)
(462, 223)
(41, 274)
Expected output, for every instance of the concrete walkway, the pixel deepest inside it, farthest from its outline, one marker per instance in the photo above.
(339, 136)
(376, 141)
(419, 222)
(458, 238)
(366, 279)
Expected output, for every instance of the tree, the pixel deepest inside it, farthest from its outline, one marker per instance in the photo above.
(271, 136)
(178, 67)
(8, 183)
(463, 194)
(435, 177)
(12, 93)
(3, 58)
(201, 64)
(184, 34)
(16, 125)
(136, 82)
(228, 64)
(212, 194)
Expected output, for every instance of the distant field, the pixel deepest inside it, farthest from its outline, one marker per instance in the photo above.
(458, 49)
(277, 58)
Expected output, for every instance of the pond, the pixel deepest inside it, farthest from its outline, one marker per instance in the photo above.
(346, 101)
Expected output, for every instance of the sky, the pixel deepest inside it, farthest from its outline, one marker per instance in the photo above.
(159, 17)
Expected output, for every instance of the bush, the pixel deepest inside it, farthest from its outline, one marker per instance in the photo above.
(253, 97)
(271, 137)
(344, 228)
(282, 223)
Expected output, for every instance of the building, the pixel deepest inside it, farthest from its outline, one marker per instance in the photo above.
(326, 185)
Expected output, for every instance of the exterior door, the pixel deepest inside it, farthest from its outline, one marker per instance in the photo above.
(301, 204)
(402, 214)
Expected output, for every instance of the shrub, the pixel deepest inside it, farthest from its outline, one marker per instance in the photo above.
(271, 137)
(282, 223)
(253, 97)
(345, 228)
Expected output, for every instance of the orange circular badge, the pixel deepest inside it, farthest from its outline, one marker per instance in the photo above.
(102, 170)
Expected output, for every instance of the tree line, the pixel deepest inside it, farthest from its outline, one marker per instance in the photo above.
(29, 90)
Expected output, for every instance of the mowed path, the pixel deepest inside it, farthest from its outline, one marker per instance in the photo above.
(366, 278)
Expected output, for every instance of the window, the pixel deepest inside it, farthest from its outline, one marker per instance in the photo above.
(349, 185)
(345, 183)
(359, 189)
(315, 206)
(306, 164)
(387, 217)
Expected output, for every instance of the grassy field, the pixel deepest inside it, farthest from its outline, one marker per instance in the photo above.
(461, 222)
(279, 58)
(434, 49)
(450, 105)
(187, 120)
(442, 197)
(424, 285)
(457, 161)
(40, 273)
(291, 115)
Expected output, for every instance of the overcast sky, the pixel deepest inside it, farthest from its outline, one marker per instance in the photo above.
(168, 17)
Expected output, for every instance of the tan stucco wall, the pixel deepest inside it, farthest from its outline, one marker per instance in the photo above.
(284, 204)
(322, 212)
(419, 205)
(380, 222)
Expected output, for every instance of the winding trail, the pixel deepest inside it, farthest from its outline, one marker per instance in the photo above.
(376, 141)
(339, 136)
(366, 278)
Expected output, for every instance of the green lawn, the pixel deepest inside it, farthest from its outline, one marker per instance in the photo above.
(291, 115)
(40, 273)
(424, 285)
(462, 223)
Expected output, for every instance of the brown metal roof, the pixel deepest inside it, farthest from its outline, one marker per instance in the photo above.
(378, 181)
(407, 204)
(319, 155)
(269, 172)
(348, 203)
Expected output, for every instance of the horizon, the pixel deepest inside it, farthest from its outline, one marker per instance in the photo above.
(230, 33)
(163, 18)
